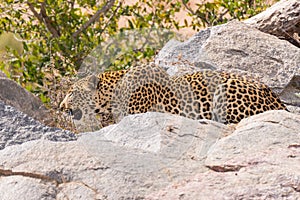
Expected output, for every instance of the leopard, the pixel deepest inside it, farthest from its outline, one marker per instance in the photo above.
(214, 95)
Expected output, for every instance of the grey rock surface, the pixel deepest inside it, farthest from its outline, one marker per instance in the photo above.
(259, 160)
(78, 191)
(13, 94)
(161, 156)
(17, 128)
(239, 48)
(282, 19)
(291, 93)
(16, 187)
(139, 155)
(281, 130)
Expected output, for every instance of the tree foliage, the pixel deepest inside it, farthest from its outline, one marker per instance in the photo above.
(57, 35)
(216, 12)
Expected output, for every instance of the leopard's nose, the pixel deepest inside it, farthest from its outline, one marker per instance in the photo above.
(77, 114)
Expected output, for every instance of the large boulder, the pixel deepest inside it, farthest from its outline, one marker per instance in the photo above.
(128, 160)
(259, 160)
(240, 48)
(282, 19)
(17, 128)
(13, 94)
(152, 156)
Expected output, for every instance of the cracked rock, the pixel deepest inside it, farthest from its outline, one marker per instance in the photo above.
(141, 157)
(259, 160)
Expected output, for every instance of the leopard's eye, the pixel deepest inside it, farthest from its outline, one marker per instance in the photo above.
(70, 112)
(71, 94)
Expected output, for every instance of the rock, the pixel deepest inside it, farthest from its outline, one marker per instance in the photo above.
(259, 160)
(282, 19)
(16, 187)
(156, 156)
(294, 109)
(78, 191)
(127, 160)
(17, 128)
(238, 48)
(291, 93)
(13, 94)
(280, 130)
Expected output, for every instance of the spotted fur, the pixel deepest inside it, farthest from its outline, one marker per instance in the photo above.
(220, 96)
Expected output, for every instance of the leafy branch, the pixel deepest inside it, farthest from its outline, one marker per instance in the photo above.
(44, 19)
(94, 18)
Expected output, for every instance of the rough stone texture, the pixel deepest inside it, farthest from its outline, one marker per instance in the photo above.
(291, 93)
(282, 19)
(17, 187)
(259, 160)
(139, 155)
(78, 191)
(239, 48)
(281, 130)
(17, 128)
(13, 94)
(160, 156)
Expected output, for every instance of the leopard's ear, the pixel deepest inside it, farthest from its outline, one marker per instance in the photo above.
(93, 82)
